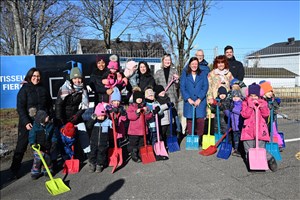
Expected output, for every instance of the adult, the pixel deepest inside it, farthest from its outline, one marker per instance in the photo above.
(193, 87)
(72, 100)
(31, 97)
(203, 64)
(101, 92)
(145, 77)
(164, 75)
(235, 67)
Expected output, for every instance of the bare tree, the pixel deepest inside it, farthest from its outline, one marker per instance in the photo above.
(180, 20)
(104, 14)
(36, 24)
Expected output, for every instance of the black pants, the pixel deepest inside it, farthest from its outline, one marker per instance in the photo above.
(99, 149)
(135, 142)
(20, 149)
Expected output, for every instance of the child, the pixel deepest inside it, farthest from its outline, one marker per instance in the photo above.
(68, 138)
(236, 105)
(135, 133)
(42, 133)
(99, 139)
(249, 130)
(273, 102)
(121, 115)
(236, 84)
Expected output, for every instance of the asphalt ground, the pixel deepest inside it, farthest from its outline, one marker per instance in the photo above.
(186, 175)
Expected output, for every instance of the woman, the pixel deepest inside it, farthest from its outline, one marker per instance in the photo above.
(145, 77)
(31, 98)
(164, 75)
(193, 87)
(72, 101)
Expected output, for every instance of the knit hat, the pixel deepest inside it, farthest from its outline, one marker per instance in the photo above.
(158, 89)
(237, 82)
(75, 73)
(149, 92)
(236, 93)
(254, 89)
(266, 87)
(113, 65)
(40, 116)
(222, 90)
(115, 96)
(100, 110)
(68, 130)
(137, 95)
(227, 47)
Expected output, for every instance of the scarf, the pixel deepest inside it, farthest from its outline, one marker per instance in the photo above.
(221, 74)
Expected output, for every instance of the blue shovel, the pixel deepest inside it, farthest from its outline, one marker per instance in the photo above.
(192, 141)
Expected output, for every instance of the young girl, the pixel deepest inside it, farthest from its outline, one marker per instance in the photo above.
(42, 133)
(252, 101)
(99, 139)
(135, 134)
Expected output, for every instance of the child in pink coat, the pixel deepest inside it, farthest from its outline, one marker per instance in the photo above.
(248, 134)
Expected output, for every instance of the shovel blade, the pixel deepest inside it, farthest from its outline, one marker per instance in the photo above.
(282, 139)
(192, 142)
(212, 149)
(71, 166)
(224, 151)
(56, 186)
(160, 149)
(218, 136)
(172, 142)
(208, 140)
(258, 159)
(112, 154)
(273, 149)
(147, 154)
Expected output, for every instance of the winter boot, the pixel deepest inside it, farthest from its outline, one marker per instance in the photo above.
(99, 168)
(92, 168)
(272, 164)
(135, 156)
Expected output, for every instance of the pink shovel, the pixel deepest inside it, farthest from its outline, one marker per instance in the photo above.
(257, 156)
(159, 146)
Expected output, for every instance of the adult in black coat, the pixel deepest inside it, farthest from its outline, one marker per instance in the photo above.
(31, 97)
(235, 67)
(145, 77)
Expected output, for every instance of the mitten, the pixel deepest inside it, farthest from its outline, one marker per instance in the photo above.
(170, 104)
(278, 100)
(156, 110)
(250, 103)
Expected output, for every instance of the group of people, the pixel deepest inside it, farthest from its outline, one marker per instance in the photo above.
(72, 128)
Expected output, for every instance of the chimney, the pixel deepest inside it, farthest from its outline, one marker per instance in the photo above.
(291, 41)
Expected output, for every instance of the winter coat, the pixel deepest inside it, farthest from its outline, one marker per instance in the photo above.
(99, 129)
(164, 113)
(135, 120)
(249, 127)
(120, 120)
(97, 85)
(235, 115)
(236, 68)
(32, 96)
(42, 135)
(215, 81)
(159, 77)
(195, 90)
(146, 80)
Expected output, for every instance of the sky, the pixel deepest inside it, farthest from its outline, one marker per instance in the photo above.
(248, 26)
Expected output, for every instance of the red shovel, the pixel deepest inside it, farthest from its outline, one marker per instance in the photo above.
(71, 166)
(115, 154)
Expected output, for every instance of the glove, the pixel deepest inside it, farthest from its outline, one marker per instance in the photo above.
(89, 89)
(170, 104)
(94, 116)
(123, 112)
(278, 100)
(156, 110)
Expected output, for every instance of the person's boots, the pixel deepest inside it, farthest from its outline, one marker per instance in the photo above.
(272, 164)
(135, 156)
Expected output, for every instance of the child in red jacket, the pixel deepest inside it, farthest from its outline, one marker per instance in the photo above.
(135, 133)
(248, 135)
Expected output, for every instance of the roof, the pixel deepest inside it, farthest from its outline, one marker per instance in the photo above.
(290, 47)
(253, 72)
(123, 48)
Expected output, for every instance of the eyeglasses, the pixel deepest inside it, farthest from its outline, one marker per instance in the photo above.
(36, 76)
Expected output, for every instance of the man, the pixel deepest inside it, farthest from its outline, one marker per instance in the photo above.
(235, 67)
(202, 62)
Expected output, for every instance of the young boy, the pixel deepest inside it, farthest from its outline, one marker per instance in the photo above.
(100, 125)
(42, 133)
(135, 133)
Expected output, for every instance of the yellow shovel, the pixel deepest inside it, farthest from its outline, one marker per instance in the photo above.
(54, 186)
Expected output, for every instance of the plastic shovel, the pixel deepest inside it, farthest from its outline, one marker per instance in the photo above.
(257, 156)
(172, 140)
(218, 135)
(192, 141)
(208, 139)
(54, 186)
(146, 151)
(272, 147)
(71, 166)
(159, 146)
(225, 147)
(170, 83)
(115, 154)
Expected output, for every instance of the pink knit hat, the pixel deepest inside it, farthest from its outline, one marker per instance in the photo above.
(113, 65)
(100, 110)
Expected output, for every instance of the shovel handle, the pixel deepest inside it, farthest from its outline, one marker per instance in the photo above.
(42, 159)
(114, 129)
